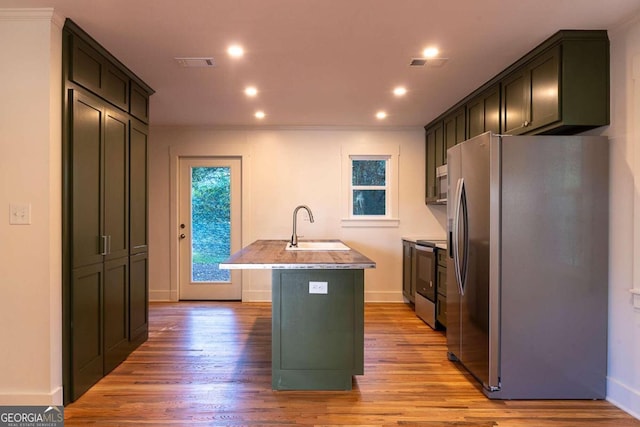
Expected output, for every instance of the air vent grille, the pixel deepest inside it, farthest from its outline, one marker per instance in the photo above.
(204, 62)
(429, 62)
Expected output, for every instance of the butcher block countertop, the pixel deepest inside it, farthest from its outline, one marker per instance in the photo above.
(271, 254)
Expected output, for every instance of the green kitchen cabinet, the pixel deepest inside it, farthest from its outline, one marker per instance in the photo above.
(105, 211)
(99, 176)
(409, 270)
(138, 303)
(531, 94)
(483, 112)
(454, 131)
(86, 356)
(561, 87)
(138, 187)
(317, 337)
(561, 90)
(93, 71)
(434, 157)
(115, 312)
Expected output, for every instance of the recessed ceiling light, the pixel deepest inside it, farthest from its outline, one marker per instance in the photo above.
(260, 114)
(430, 52)
(400, 91)
(250, 91)
(235, 51)
(381, 115)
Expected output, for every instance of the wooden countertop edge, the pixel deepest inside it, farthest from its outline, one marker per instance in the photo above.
(271, 254)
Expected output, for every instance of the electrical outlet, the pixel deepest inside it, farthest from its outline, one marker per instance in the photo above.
(20, 213)
(318, 287)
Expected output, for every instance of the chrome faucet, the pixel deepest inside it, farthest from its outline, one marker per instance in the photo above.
(294, 236)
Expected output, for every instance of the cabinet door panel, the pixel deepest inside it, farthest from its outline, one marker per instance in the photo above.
(430, 170)
(545, 88)
(86, 209)
(116, 184)
(116, 295)
(87, 66)
(116, 87)
(138, 203)
(515, 99)
(138, 298)
(139, 103)
(87, 354)
(492, 111)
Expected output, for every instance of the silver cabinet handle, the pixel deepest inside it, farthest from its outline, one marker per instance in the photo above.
(105, 249)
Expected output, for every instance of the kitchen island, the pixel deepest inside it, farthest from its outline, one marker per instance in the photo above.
(317, 313)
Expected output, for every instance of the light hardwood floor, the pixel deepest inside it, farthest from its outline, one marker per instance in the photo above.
(209, 364)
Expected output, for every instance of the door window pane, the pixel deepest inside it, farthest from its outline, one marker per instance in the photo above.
(210, 222)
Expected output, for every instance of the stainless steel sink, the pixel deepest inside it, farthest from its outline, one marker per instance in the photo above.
(318, 246)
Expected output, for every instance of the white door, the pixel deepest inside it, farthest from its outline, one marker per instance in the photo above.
(209, 221)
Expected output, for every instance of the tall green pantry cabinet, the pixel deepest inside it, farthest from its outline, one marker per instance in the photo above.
(105, 211)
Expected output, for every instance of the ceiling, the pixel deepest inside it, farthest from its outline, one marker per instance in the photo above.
(322, 62)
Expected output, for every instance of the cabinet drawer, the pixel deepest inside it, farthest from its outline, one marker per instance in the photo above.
(442, 257)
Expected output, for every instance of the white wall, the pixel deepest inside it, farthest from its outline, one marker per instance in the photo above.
(623, 386)
(30, 172)
(288, 168)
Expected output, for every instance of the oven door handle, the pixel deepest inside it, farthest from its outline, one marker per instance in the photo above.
(424, 248)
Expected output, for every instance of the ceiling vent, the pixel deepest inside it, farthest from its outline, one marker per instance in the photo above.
(205, 62)
(429, 62)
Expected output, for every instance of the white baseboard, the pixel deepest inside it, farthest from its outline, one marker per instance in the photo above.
(256, 296)
(163, 296)
(624, 397)
(383, 296)
(53, 398)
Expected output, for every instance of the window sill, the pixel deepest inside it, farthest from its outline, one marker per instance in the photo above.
(370, 222)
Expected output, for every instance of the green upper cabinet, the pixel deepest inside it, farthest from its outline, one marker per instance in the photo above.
(532, 95)
(90, 69)
(434, 150)
(563, 89)
(454, 131)
(483, 112)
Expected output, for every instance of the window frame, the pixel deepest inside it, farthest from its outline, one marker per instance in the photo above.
(386, 151)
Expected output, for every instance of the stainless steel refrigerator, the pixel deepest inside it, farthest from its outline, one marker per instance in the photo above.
(527, 265)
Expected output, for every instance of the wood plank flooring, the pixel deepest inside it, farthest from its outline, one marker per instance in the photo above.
(209, 364)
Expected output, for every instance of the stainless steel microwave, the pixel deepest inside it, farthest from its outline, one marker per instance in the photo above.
(441, 184)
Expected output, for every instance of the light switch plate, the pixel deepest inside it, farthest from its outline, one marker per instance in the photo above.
(318, 287)
(20, 213)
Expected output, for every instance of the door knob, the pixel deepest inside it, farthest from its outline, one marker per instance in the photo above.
(182, 236)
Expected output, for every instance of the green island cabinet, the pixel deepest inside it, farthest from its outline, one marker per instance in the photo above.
(317, 320)
(105, 272)
(560, 87)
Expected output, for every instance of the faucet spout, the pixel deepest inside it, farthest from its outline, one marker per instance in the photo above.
(294, 235)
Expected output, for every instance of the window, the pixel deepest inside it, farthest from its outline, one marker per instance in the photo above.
(370, 185)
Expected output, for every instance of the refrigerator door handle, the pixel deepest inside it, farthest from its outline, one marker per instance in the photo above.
(465, 237)
(456, 234)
